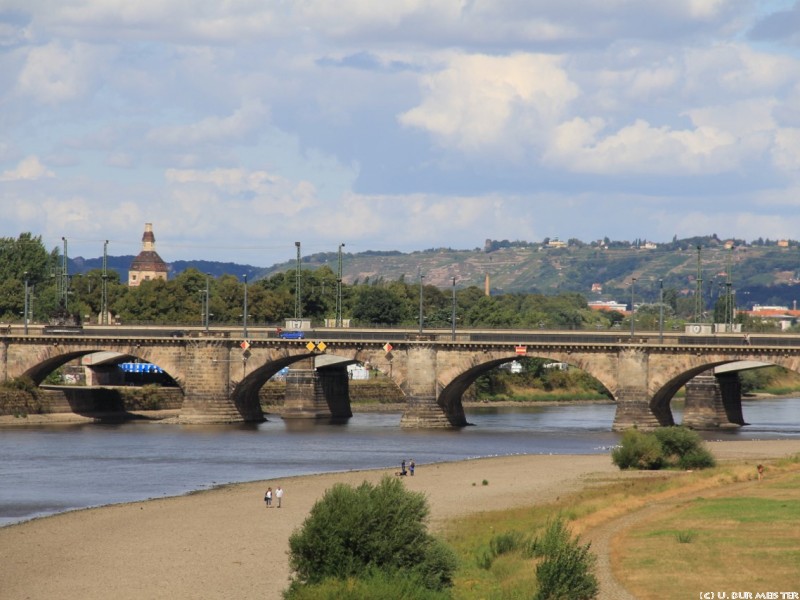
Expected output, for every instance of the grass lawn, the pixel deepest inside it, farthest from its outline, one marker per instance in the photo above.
(721, 530)
(743, 538)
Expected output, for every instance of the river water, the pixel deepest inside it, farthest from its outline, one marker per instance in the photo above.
(46, 470)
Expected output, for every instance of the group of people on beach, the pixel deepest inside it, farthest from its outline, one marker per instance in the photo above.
(403, 471)
(278, 496)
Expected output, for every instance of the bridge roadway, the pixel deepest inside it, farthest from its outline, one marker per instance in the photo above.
(220, 379)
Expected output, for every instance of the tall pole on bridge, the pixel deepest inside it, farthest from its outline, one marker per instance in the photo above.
(339, 290)
(454, 311)
(64, 275)
(104, 299)
(698, 293)
(25, 309)
(421, 277)
(244, 316)
(633, 307)
(660, 311)
(206, 311)
(298, 312)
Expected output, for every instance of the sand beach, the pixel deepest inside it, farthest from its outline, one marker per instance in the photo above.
(224, 543)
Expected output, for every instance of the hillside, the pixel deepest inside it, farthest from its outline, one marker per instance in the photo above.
(761, 272)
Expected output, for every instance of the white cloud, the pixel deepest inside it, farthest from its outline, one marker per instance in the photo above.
(478, 102)
(213, 130)
(55, 73)
(29, 169)
(641, 148)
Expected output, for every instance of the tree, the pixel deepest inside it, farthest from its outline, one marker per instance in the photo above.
(351, 532)
(378, 305)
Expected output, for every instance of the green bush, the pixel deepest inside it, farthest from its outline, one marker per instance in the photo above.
(504, 543)
(677, 441)
(351, 532)
(638, 450)
(665, 447)
(374, 584)
(22, 383)
(697, 458)
(565, 571)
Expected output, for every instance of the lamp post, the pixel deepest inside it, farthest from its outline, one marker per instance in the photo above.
(25, 316)
(453, 320)
(244, 319)
(633, 309)
(298, 304)
(64, 276)
(660, 311)
(421, 277)
(339, 290)
(206, 312)
(104, 298)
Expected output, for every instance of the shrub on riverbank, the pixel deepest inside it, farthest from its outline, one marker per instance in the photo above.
(371, 533)
(666, 447)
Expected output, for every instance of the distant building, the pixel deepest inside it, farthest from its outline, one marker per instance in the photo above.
(556, 243)
(609, 305)
(783, 315)
(597, 288)
(147, 265)
(783, 243)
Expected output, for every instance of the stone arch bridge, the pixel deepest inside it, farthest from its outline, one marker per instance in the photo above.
(220, 379)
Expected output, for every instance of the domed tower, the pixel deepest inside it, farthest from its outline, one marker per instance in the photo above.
(148, 264)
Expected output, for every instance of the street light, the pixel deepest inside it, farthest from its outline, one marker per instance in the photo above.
(339, 290)
(421, 277)
(244, 321)
(454, 310)
(633, 309)
(660, 311)
(206, 311)
(25, 318)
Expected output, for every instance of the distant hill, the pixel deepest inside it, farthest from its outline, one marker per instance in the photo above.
(121, 264)
(762, 272)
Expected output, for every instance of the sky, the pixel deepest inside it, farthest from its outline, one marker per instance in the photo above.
(238, 128)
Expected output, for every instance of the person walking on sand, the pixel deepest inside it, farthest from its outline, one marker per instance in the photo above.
(411, 466)
(279, 495)
(268, 497)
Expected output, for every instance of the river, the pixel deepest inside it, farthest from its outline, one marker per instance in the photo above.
(50, 469)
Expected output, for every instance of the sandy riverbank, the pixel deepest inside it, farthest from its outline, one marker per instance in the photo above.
(224, 543)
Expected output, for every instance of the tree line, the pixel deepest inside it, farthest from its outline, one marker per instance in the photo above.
(25, 264)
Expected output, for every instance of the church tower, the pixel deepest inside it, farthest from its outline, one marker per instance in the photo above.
(148, 264)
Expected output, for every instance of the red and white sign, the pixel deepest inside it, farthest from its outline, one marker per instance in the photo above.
(521, 350)
(387, 347)
(244, 345)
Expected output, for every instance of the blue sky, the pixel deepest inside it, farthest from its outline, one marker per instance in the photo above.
(240, 127)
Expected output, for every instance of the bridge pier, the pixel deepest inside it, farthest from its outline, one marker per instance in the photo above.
(335, 386)
(317, 394)
(634, 405)
(422, 404)
(304, 398)
(207, 387)
(713, 402)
